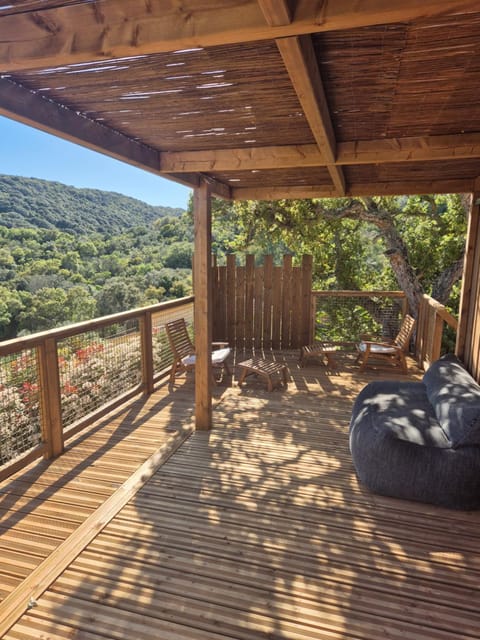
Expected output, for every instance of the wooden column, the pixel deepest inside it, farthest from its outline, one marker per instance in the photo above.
(202, 288)
(468, 299)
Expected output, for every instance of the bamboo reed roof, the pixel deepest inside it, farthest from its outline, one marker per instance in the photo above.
(266, 98)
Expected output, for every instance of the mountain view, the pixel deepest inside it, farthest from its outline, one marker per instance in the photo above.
(29, 202)
(69, 254)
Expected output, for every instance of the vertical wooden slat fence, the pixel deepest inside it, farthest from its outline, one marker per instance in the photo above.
(267, 301)
(263, 306)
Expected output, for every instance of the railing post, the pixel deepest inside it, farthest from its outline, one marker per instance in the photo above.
(50, 399)
(147, 352)
(437, 337)
(420, 332)
(313, 318)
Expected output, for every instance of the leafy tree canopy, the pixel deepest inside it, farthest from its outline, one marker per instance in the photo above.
(412, 243)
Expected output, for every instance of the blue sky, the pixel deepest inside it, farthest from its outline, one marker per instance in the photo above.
(25, 151)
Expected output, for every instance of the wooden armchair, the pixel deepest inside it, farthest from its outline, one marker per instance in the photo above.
(183, 350)
(393, 353)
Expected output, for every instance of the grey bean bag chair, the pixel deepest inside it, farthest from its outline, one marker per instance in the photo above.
(421, 440)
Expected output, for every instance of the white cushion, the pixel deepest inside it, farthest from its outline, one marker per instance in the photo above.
(218, 357)
(377, 348)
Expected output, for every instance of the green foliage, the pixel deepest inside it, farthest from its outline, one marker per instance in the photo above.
(348, 251)
(131, 256)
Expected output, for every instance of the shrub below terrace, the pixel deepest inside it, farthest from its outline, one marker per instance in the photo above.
(89, 377)
(93, 371)
(93, 376)
(19, 420)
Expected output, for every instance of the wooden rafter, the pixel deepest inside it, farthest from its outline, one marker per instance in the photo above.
(27, 107)
(299, 58)
(411, 149)
(121, 28)
(30, 108)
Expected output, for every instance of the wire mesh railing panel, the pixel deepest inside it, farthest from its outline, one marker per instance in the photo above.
(348, 319)
(20, 420)
(96, 367)
(162, 354)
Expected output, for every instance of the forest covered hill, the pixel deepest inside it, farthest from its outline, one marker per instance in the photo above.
(70, 254)
(41, 204)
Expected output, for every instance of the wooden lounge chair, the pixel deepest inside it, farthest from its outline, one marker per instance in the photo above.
(393, 353)
(184, 351)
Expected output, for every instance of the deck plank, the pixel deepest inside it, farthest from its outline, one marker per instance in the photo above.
(257, 529)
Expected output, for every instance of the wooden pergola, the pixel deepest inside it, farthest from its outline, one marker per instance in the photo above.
(260, 99)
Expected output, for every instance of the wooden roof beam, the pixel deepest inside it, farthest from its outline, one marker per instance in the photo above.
(284, 193)
(299, 58)
(354, 190)
(242, 159)
(90, 31)
(412, 149)
(416, 148)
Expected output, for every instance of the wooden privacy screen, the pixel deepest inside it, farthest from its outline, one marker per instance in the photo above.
(262, 307)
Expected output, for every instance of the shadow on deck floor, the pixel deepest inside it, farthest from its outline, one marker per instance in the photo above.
(256, 529)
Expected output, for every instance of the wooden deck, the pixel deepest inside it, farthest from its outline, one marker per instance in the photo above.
(257, 529)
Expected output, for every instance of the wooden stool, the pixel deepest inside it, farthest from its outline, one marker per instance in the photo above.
(318, 350)
(264, 368)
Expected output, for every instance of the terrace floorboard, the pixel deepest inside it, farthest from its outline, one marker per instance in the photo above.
(256, 529)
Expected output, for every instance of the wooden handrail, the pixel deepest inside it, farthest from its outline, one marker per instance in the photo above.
(346, 293)
(27, 342)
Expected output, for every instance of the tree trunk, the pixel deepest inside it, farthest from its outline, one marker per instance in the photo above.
(407, 280)
(445, 281)
(367, 210)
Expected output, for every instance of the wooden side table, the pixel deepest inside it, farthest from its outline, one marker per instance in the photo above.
(265, 369)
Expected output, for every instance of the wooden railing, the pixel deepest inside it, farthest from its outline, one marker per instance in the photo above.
(343, 317)
(55, 383)
(433, 322)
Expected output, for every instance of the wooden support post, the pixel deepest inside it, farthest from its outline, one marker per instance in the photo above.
(203, 306)
(50, 404)
(147, 352)
(468, 303)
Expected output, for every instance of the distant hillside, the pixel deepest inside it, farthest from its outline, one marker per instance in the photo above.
(29, 202)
